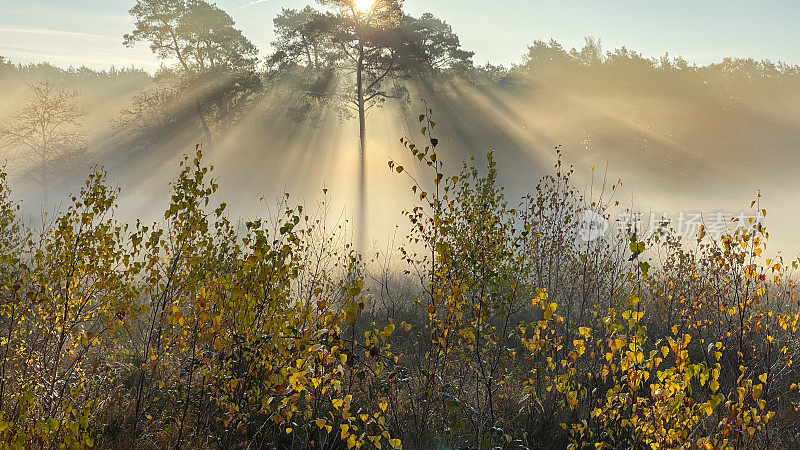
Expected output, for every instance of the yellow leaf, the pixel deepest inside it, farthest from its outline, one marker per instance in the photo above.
(579, 346)
(757, 391)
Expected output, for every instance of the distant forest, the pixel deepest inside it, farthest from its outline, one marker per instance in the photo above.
(602, 102)
(652, 120)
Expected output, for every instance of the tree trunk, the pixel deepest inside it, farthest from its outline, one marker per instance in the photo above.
(362, 134)
(202, 118)
(45, 175)
(188, 72)
(308, 53)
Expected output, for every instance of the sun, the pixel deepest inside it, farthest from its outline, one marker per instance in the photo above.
(364, 5)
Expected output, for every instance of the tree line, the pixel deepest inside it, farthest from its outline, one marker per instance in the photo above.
(336, 56)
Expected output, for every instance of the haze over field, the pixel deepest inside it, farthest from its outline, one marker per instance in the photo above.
(384, 223)
(700, 133)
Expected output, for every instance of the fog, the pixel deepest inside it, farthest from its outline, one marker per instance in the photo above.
(681, 138)
(355, 235)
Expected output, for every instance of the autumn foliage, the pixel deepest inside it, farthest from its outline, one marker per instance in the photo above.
(497, 328)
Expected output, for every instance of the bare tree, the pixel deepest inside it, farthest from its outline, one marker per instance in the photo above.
(45, 133)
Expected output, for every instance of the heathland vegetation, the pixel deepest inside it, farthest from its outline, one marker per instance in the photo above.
(499, 327)
(492, 321)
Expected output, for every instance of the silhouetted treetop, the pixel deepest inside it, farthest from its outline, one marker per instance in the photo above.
(198, 34)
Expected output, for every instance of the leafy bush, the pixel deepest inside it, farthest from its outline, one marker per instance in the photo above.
(498, 327)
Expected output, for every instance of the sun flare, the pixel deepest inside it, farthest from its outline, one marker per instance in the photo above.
(364, 5)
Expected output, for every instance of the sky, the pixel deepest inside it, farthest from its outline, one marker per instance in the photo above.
(89, 32)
